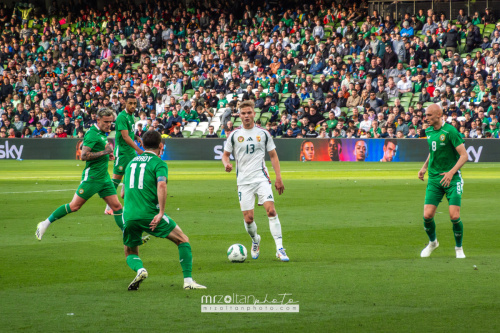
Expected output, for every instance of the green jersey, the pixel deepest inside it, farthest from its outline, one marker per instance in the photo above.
(126, 122)
(442, 148)
(140, 184)
(96, 170)
(331, 123)
(222, 103)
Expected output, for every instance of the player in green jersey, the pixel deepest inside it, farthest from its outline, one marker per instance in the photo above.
(125, 147)
(145, 193)
(96, 151)
(447, 155)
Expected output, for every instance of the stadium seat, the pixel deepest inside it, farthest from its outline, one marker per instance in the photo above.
(264, 119)
(196, 134)
(186, 134)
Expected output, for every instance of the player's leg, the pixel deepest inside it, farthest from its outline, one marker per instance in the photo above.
(135, 263)
(454, 196)
(458, 230)
(246, 196)
(429, 223)
(59, 213)
(265, 195)
(433, 196)
(117, 208)
(185, 255)
(116, 180)
(132, 232)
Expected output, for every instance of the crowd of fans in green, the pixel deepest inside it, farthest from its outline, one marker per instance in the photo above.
(315, 69)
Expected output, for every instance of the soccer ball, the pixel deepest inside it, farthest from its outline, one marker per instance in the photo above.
(236, 253)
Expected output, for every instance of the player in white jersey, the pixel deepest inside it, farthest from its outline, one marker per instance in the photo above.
(249, 144)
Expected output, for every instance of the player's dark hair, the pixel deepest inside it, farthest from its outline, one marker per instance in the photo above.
(151, 140)
(387, 141)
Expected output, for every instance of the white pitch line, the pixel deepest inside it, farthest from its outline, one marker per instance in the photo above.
(38, 191)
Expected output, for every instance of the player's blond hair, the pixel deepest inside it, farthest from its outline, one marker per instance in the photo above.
(105, 112)
(247, 104)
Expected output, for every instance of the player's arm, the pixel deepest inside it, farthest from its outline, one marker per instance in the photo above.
(138, 139)
(130, 142)
(161, 189)
(88, 155)
(273, 155)
(447, 176)
(422, 171)
(226, 161)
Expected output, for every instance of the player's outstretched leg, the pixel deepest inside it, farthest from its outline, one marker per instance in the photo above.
(430, 229)
(458, 232)
(59, 213)
(135, 263)
(56, 215)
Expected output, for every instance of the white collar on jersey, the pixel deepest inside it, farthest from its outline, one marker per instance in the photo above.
(151, 152)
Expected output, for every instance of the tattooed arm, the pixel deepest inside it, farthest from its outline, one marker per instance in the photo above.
(87, 155)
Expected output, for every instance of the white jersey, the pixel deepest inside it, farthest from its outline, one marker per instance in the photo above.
(249, 147)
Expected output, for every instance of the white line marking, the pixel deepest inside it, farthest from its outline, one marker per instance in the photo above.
(38, 191)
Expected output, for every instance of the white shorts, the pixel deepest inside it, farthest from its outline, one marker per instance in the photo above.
(247, 193)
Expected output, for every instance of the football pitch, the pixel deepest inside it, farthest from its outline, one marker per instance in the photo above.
(353, 233)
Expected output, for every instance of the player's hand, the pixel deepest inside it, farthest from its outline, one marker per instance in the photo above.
(108, 149)
(421, 174)
(447, 176)
(229, 167)
(111, 156)
(279, 186)
(155, 221)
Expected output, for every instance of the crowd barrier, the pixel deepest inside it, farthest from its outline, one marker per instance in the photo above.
(344, 150)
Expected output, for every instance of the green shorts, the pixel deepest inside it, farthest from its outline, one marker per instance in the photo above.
(133, 229)
(121, 162)
(435, 191)
(87, 189)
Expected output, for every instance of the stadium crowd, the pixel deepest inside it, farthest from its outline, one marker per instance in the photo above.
(316, 69)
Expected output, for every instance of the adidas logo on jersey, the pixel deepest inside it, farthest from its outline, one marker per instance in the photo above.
(250, 139)
(270, 196)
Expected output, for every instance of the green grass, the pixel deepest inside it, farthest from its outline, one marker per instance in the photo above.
(353, 232)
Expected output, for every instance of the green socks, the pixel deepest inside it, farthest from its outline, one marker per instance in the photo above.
(186, 259)
(59, 213)
(134, 262)
(118, 215)
(115, 182)
(458, 231)
(430, 228)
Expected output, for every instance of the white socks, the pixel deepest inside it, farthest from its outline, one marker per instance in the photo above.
(275, 227)
(251, 228)
(188, 280)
